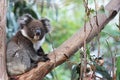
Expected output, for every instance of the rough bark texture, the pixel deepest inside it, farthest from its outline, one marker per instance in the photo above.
(70, 46)
(3, 75)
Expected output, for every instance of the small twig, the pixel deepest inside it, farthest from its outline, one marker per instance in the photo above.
(84, 46)
(42, 6)
(51, 41)
(98, 37)
(113, 61)
(81, 68)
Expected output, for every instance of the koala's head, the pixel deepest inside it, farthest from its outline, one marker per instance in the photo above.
(34, 29)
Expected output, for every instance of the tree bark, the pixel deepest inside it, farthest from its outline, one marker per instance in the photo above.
(3, 74)
(70, 46)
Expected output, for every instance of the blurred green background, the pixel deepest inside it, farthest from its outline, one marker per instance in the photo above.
(66, 16)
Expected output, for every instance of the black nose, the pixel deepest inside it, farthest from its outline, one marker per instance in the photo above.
(38, 32)
(87, 70)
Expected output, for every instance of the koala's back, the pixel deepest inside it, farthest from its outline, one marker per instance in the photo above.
(18, 50)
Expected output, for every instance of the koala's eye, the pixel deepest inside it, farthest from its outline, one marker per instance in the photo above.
(32, 29)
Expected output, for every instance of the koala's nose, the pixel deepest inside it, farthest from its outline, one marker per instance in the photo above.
(38, 32)
(87, 70)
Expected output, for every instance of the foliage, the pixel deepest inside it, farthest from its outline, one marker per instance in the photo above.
(118, 68)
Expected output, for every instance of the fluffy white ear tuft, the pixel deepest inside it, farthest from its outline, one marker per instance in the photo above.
(25, 19)
(22, 20)
(46, 24)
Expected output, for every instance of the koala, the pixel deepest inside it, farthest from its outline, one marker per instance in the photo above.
(24, 49)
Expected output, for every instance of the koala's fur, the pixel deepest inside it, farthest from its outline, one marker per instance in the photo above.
(24, 49)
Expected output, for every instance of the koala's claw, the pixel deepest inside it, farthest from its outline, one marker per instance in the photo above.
(33, 65)
(44, 58)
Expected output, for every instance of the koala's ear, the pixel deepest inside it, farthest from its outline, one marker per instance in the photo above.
(25, 19)
(46, 24)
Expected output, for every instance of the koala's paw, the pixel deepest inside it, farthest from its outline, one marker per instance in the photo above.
(33, 65)
(44, 58)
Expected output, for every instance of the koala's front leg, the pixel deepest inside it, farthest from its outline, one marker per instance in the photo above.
(40, 52)
(35, 58)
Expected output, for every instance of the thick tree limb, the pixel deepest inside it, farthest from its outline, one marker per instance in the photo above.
(69, 47)
(3, 75)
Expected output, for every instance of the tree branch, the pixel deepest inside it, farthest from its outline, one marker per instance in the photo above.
(69, 47)
(3, 74)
